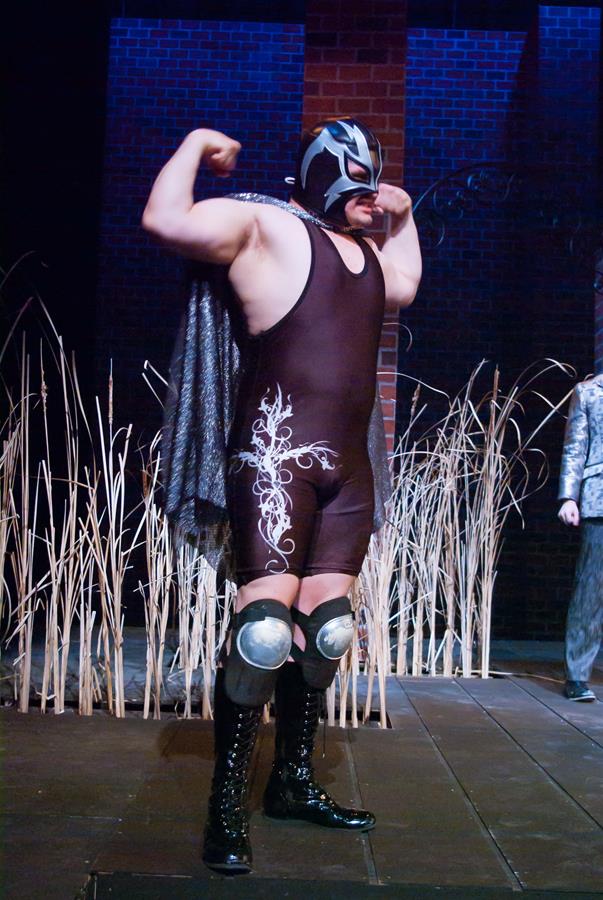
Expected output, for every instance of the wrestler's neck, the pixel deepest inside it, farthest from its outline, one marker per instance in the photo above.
(358, 214)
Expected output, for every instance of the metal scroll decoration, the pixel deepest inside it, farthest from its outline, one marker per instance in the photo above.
(448, 199)
(544, 206)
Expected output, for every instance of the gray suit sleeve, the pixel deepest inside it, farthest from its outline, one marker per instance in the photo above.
(575, 448)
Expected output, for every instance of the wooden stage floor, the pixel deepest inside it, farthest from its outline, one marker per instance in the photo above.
(481, 789)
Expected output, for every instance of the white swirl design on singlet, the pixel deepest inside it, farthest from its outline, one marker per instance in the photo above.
(271, 443)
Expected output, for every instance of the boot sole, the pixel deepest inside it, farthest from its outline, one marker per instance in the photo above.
(229, 868)
(298, 820)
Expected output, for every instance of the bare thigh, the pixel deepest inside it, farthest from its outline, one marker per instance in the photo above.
(284, 588)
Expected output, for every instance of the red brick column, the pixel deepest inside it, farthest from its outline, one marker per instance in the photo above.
(355, 66)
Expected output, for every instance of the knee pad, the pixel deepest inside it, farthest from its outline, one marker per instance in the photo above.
(261, 639)
(328, 632)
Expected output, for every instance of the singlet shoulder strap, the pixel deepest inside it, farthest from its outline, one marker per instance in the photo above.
(368, 257)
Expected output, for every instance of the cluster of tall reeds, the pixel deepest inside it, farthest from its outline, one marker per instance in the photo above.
(424, 596)
(74, 523)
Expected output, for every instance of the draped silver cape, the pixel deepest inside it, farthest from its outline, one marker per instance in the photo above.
(200, 406)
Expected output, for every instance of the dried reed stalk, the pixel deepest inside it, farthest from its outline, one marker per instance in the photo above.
(24, 545)
(111, 549)
(195, 590)
(156, 592)
(9, 461)
(87, 615)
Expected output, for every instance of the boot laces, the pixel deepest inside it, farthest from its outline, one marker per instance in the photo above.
(229, 790)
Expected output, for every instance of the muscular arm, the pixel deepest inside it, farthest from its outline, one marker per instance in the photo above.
(400, 254)
(212, 230)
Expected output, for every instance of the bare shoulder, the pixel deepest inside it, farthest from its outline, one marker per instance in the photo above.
(277, 238)
(385, 262)
(270, 225)
(276, 224)
(265, 213)
(228, 209)
(387, 266)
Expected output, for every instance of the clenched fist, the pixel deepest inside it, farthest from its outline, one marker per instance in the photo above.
(220, 152)
(569, 513)
(393, 200)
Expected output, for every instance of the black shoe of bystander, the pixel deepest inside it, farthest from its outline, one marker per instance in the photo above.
(579, 690)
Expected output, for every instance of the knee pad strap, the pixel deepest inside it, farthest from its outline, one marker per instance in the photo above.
(260, 644)
(328, 632)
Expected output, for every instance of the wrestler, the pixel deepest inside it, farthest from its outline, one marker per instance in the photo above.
(312, 289)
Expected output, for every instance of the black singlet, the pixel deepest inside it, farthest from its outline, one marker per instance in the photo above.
(300, 481)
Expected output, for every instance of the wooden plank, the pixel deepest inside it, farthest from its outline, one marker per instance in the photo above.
(548, 840)
(572, 759)
(587, 717)
(66, 765)
(427, 832)
(48, 856)
(108, 886)
(161, 830)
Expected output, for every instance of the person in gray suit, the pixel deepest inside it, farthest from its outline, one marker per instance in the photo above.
(581, 489)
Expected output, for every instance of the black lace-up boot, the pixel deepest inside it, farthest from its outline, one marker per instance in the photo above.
(227, 848)
(292, 792)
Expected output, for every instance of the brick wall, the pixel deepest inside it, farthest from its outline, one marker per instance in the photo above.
(167, 77)
(355, 65)
(461, 94)
(503, 285)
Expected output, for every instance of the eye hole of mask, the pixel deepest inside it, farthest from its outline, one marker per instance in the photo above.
(357, 172)
(376, 160)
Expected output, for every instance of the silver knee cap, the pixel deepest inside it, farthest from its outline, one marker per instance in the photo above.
(334, 638)
(265, 644)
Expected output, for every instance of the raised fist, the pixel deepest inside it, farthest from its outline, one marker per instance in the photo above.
(220, 152)
(393, 200)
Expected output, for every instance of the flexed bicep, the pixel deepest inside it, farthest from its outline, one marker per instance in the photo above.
(211, 230)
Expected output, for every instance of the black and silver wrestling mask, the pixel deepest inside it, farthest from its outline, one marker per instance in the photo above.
(323, 181)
